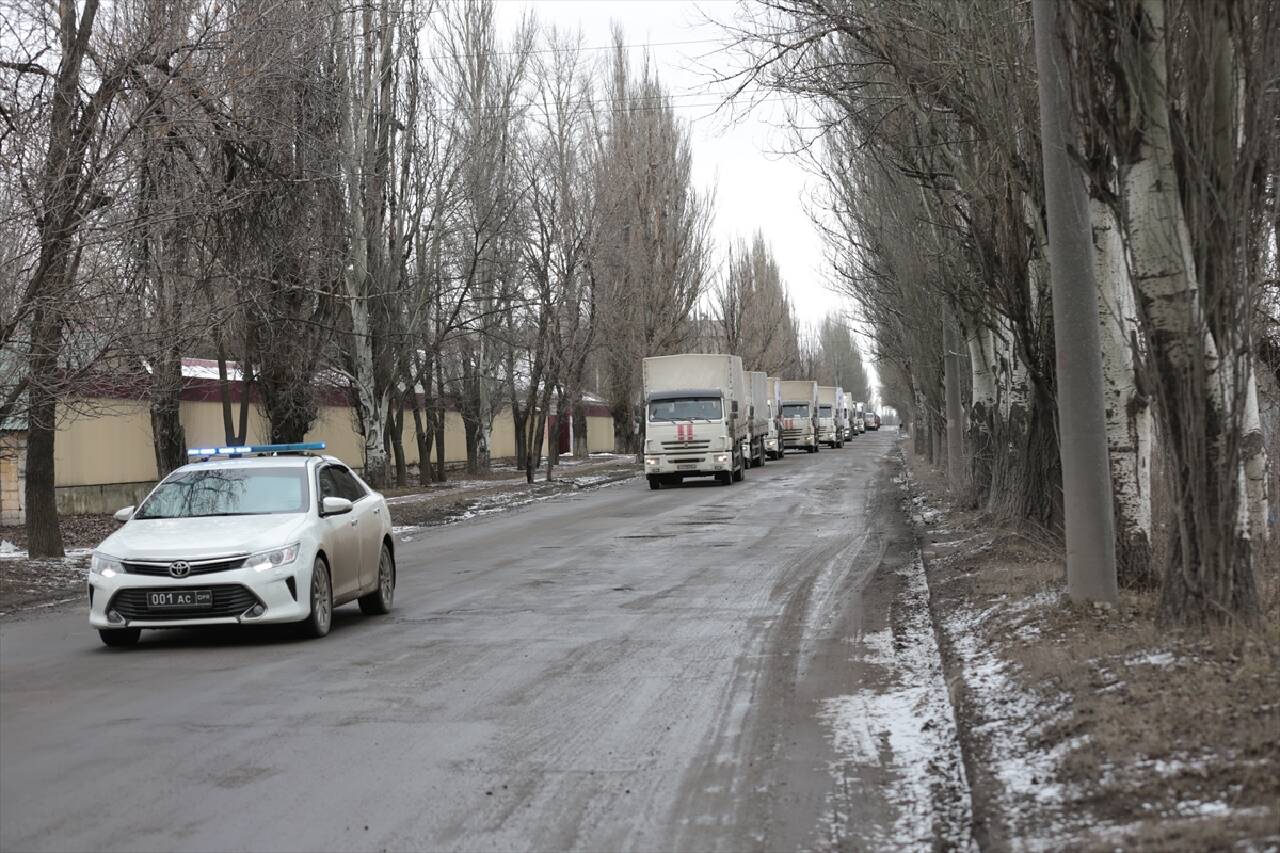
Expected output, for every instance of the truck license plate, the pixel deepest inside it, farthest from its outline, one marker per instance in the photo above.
(189, 599)
(687, 466)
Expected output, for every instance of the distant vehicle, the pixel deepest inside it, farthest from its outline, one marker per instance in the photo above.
(760, 418)
(250, 535)
(697, 418)
(872, 420)
(842, 416)
(827, 405)
(859, 418)
(773, 443)
(800, 415)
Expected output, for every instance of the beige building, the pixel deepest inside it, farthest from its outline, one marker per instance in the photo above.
(104, 455)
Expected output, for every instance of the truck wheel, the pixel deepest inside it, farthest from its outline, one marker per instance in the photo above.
(724, 479)
(654, 482)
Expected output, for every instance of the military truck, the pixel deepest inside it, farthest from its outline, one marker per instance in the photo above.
(773, 443)
(697, 418)
(799, 414)
(827, 417)
(758, 384)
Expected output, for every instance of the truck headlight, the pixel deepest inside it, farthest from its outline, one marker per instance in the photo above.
(105, 565)
(651, 460)
(264, 560)
(722, 458)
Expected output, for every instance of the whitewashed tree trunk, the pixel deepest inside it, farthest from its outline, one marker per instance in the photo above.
(1128, 413)
(1256, 464)
(356, 127)
(1212, 574)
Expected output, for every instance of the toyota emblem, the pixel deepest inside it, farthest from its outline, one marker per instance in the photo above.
(180, 569)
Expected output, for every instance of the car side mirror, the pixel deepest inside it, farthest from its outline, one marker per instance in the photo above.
(123, 515)
(335, 506)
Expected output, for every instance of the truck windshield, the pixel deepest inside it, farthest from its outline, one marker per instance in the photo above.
(795, 410)
(228, 491)
(824, 411)
(687, 409)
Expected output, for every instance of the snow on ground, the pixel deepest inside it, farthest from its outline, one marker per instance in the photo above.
(913, 717)
(9, 551)
(1011, 721)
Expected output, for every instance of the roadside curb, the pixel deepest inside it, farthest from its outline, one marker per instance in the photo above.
(952, 666)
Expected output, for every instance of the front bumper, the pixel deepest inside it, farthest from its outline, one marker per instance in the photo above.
(807, 440)
(690, 465)
(268, 589)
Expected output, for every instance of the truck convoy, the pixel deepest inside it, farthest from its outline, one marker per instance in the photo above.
(827, 417)
(697, 419)
(758, 383)
(799, 415)
(773, 444)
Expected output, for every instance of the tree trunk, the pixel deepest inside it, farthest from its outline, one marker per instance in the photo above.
(955, 415)
(1128, 415)
(169, 438)
(395, 426)
(1082, 442)
(423, 440)
(1211, 574)
(982, 368)
(44, 535)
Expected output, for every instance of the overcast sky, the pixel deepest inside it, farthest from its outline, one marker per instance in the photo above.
(754, 187)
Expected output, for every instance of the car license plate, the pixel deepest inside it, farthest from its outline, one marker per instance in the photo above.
(687, 466)
(186, 599)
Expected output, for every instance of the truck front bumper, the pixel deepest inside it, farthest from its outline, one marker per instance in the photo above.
(705, 464)
(801, 441)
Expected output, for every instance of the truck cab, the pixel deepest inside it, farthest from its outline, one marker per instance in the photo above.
(799, 415)
(695, 430)
(827, 417)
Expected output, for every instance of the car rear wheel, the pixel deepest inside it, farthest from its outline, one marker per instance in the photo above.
(379, 601)
(320, 619)
(119, 638)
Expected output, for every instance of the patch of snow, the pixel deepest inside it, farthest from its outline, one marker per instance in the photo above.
(1010, 720)
(1160, 659)
(10, 551)
(913, 716)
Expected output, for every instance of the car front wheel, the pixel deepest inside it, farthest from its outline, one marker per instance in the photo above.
(379, 601)
(119, 638)
(320, 619)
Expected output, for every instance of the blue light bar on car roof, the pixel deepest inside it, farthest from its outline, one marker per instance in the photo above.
(255, 448)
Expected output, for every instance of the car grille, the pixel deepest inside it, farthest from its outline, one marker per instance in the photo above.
(228, 600)
(198, 567)
(690, 446)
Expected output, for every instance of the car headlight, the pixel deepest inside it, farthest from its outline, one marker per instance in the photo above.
(105, 565)
(264, 560)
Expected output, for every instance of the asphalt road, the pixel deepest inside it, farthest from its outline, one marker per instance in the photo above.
(622, 669)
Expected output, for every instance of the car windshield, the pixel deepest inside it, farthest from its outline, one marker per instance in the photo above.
(686, 409)
(795, 410)
(228, 491)
(824, 411)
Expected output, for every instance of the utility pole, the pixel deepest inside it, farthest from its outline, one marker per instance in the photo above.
(1086, 475)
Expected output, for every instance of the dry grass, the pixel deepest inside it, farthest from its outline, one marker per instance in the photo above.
(1177, 735)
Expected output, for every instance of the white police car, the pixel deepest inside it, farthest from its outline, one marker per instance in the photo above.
(245, 535)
